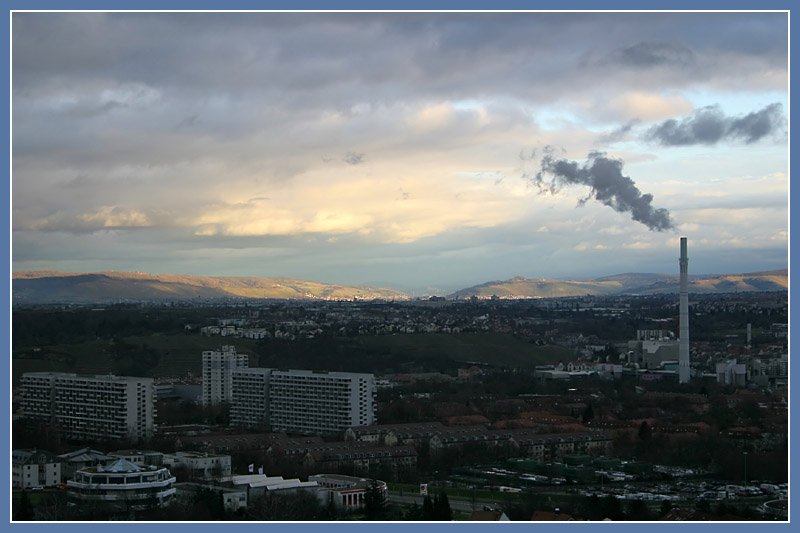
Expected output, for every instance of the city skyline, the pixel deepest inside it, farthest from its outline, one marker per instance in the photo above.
(399, 149)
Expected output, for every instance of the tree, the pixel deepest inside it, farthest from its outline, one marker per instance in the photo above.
(374, 502)
(666, 507)
(427, 509)
(441, 507)
(645, 432)
(611, 508)
(638, 510)
(588, 413)
(703, 506)
(25, 511)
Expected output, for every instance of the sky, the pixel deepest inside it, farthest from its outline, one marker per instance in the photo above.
(418, 151)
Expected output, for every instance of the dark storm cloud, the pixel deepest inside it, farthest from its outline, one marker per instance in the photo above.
(709, 125)
(607, 185)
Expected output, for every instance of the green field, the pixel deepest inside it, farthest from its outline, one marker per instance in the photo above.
(492, 348)
(178, 354)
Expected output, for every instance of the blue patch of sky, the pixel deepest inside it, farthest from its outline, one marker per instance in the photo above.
(736, 102)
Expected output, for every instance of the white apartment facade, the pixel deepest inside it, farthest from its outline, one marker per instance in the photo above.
(86, 407)
(303, 401)
(34, 468)
(217, 373)
(250, 397)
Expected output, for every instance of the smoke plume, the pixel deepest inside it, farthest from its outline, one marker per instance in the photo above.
(608, 185)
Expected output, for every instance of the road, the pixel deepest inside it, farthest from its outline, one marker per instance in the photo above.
(456, 503)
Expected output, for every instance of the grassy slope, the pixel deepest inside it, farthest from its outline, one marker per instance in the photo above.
(182, 353)
(493, 348)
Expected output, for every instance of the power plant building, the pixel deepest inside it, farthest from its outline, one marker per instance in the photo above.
(86, 407)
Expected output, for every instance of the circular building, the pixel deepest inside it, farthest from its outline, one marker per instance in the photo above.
(123, 484)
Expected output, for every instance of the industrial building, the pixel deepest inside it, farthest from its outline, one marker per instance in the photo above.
(218, 366)
(86, 407)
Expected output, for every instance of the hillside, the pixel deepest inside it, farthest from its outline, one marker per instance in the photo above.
(63, 287)
(631, 283)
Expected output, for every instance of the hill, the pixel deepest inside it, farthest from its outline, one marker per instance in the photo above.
(631, 283)
(104, 287)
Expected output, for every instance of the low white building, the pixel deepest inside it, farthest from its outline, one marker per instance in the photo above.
(347, 493)
(34, 468)
(200, 465)
(123, 485)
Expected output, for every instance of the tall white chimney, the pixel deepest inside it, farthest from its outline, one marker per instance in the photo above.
(683, 353)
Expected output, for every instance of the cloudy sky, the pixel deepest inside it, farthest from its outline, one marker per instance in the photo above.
(406, 150)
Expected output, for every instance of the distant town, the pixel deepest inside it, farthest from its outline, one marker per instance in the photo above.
(431, 409)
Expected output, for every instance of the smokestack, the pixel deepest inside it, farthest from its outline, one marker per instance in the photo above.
(683, 353)
(749, 333)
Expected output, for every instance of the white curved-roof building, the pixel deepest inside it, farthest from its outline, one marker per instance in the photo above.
(124, 484)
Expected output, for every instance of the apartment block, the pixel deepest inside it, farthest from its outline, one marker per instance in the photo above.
(303, 401)
(86, 407)
(218, 366)
(250, 397)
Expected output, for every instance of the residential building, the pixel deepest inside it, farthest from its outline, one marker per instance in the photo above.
(140, 457)
(301, 401)
(217, 373)
(123, 485)
(79, 459)
(250, 397)
(86, 407)
(307, 402)
(34, 468)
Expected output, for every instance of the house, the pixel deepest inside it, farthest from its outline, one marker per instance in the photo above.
(34, 468)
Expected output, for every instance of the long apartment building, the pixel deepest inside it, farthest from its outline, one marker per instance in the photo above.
(250, 397)
(218, 367)
(87, 407)
(302, 401)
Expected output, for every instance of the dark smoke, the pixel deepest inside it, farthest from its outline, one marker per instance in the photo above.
(709, 125)
(607, 183)
(353, 158)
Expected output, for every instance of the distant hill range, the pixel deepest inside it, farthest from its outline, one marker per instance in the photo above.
(632, 283)
(106, 287)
